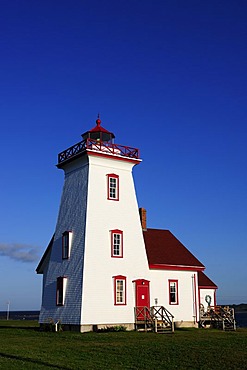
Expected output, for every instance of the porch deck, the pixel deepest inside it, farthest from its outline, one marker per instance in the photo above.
(219, 317)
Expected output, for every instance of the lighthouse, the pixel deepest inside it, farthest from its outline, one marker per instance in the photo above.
(96, 262)
(103, 265)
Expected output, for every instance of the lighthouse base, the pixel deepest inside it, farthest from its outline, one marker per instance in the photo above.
(95, 328)
(86, 328)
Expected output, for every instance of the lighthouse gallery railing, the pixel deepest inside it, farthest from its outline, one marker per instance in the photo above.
(102, 146)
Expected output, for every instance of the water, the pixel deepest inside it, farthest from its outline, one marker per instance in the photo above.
(20, 315)
(241, 319)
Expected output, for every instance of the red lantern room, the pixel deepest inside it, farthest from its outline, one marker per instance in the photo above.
(99, 133)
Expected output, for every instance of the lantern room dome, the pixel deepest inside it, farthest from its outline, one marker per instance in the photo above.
(99, 133)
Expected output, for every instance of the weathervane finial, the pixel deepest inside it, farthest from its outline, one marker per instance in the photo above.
(98, 121)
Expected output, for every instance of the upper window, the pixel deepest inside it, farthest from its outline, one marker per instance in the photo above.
(66, 244)
(113, 187)
(119, 290)
(173, 292)
(116, 243)
(61, 290)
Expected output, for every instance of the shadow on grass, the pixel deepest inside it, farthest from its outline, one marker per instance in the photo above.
(37, 362)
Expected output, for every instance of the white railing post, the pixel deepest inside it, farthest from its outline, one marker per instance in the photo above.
(172, 325)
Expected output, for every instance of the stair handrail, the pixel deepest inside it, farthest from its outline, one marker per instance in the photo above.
(160, 312)
(150, 316)
(156, 311)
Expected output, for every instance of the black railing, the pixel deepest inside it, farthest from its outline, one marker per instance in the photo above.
(101, 146)
(72, 151)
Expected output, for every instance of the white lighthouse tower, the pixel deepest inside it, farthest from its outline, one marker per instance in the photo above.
(96, 262)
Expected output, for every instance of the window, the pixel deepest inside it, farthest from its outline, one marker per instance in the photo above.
(66, 244)
(119, 290)
(113, 187)
(116, 243)
(173, 291)
(61, 289)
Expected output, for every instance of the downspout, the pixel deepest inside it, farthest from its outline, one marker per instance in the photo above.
(215, 303)
(194, 297)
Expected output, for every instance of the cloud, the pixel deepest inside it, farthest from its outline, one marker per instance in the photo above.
(19, 252)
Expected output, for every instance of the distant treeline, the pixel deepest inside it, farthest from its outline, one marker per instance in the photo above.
(19, 315)
(242, 307)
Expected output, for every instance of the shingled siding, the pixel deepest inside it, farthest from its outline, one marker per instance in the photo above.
(72, 215)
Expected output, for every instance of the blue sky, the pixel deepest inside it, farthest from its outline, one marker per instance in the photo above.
(168, 77)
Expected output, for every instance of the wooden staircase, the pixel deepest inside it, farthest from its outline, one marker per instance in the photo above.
(218, 317)
(155, 318)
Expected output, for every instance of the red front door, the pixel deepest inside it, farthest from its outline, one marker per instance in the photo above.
(142, 297)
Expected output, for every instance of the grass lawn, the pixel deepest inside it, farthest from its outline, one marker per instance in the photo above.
(23, 346)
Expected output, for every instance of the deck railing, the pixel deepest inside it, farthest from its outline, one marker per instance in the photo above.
(100, 146)
(221, 317)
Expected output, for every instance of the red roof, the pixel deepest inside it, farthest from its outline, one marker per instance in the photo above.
(99, 128)
(204, 281)
(163, 248)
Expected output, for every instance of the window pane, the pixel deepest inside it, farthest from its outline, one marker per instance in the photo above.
(113, 187)
(173, 292)
(120, 294)
(116, 244)
(112, 191)
(65, 243)
(59, 291)
(173, 297)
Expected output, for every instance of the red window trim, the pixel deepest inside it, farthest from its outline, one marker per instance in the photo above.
(66, 233)
(169, 289)
(116, 278)
(114, 176)
(112, 243)
(60, 290)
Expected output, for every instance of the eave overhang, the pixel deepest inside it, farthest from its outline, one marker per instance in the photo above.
(158, 266)
(113, 156)
(45, 257)
(208, 287)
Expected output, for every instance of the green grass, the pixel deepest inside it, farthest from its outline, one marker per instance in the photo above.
(23, 346)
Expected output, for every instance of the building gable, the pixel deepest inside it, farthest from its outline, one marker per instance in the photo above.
(205, 282)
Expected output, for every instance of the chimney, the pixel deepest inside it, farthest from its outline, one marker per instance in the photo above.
(143, 217)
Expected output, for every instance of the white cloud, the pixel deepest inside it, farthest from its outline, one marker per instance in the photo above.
(19, 252)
